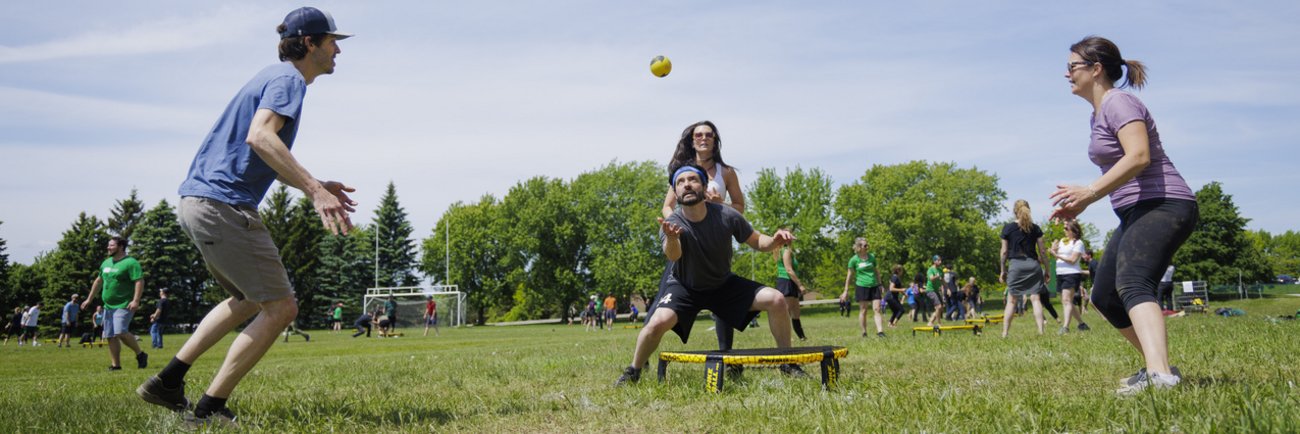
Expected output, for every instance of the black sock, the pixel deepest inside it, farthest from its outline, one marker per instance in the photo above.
(173, 375)
(208, 404)
(798, 328)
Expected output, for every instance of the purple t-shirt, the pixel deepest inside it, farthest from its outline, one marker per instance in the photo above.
(1159, 179)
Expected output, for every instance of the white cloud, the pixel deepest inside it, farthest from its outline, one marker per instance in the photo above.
(163, 35)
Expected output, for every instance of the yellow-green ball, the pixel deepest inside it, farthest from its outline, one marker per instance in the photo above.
(660, 66)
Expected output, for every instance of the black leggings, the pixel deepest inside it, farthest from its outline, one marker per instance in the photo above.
(1139, 250)
(895, 307)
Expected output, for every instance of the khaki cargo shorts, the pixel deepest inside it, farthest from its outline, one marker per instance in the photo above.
(237, 249)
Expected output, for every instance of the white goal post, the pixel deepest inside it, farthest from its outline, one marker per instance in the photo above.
(410, 303)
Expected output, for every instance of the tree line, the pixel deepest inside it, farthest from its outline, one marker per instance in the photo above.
(549, 243)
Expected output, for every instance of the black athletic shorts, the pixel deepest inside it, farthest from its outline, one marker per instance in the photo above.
(862, 293)
(1068, 281)
(67, 329)
(730, 302)
(787, 287)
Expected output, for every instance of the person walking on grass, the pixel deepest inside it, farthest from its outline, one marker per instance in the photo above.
(611, 305)
(97, 322)
(246, 150)
(697, 239)
(933, 287)
(431, 316)
(973, 301)
(337, 317)
(864, 278)
(1084, 298)
(896, 290)
(68, 322)
(158, 319)
(31, 317)
(1069, 274)
(121, 284)
(788, 282)
(1156, 208)
(15, 326)
(1021, 266)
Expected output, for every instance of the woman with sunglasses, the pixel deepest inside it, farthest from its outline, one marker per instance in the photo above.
(1156, 208)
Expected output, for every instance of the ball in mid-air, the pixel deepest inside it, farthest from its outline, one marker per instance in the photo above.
(660, 66)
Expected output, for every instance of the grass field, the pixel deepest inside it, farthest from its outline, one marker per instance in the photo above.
(1240, 376)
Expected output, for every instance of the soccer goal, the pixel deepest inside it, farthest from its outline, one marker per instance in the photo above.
(411, 301)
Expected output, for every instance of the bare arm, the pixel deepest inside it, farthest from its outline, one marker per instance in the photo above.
(94, 292)
(329, 198)
(1002, 263)
(670, 203)
(848, 282)
(135, 300)
(787, 261)
(672, 243)
(1073, 199)
(764, 243)
(733, 189)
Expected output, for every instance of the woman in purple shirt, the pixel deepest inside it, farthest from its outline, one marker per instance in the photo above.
(1157, 210)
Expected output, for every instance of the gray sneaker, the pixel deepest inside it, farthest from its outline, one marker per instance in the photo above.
(153, 392)
(1141, 376)
(1063, 330)
(220, 418)
(1152, 381)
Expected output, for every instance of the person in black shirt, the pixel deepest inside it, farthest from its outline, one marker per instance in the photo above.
(1022, 267)
(159, 319)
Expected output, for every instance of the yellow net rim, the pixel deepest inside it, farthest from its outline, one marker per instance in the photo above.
(775, 359)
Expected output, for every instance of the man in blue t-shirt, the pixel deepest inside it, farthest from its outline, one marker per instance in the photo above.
(245, 150)
(68, 323)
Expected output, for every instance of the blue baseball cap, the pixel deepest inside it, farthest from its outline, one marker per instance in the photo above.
(310, 21)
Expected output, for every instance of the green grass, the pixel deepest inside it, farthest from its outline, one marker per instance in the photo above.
(1240, 376)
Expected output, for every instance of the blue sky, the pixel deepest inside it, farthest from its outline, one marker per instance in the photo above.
(451, 100)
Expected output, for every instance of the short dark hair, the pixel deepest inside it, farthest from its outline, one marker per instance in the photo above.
(677, 165)
(121, 242)
(295, 48)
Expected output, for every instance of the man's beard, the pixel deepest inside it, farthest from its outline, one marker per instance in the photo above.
(692, 200)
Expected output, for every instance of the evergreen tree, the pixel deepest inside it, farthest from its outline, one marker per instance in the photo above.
(74, 264)
(170, 261)
(4, 272)
(301, 255)
(126, 214)
(396, 248)
(1220, 250)
(346, 265)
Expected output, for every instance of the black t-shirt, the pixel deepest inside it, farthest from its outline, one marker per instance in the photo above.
(1021, 244)
(162, 310)
(706, 246)
(1093, 268)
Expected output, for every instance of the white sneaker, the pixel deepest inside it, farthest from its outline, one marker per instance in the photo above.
(1153, 381)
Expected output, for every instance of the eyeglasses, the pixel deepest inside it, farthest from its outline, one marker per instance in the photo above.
(1069, 67)
(701, 135)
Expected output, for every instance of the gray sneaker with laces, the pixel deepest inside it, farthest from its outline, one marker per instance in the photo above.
(1152, 381)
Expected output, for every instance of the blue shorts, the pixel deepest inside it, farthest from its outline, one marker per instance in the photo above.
(117, 321)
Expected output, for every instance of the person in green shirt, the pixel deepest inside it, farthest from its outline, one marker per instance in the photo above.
(121, 283)
(338, 317)
(933, 284)
(865, 279)
(787, 281)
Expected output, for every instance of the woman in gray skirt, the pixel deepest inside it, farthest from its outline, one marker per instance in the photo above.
(1022, 267)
